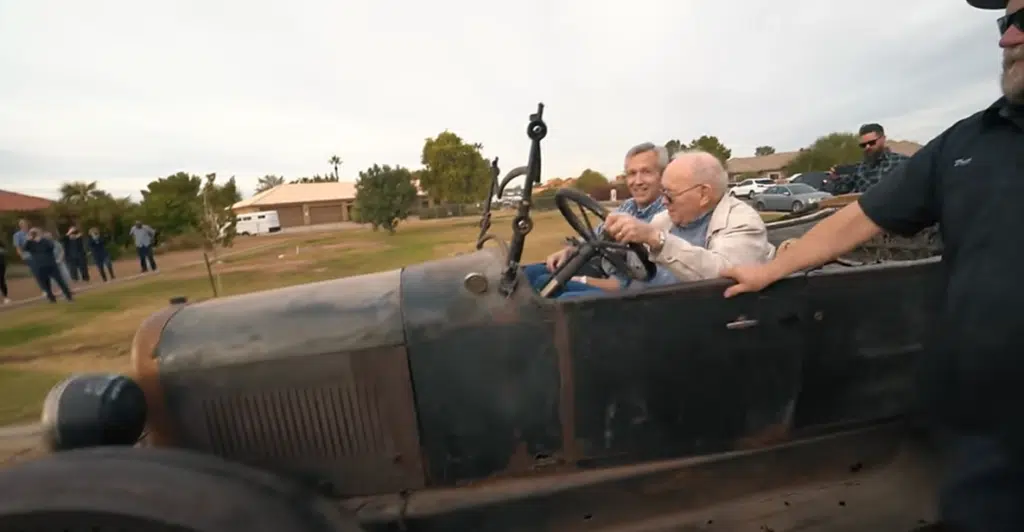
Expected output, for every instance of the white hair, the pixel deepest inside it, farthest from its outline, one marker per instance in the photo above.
(662, 153)
(706, 169)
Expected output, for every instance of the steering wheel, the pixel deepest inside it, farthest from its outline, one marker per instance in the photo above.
(603, 245)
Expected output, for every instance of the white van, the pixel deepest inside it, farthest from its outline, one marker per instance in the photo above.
(258, 223)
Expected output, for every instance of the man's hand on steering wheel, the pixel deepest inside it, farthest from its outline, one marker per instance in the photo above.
(627, 229)
(557, 259)
(594, 243)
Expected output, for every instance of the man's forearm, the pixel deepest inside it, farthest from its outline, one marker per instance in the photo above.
(826, 241)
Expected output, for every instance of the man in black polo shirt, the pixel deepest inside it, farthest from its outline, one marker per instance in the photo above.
(969, 180)
(878, 161)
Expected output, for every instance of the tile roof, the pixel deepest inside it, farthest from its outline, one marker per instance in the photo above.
(15, 202)
(301, 193)
(291, 193)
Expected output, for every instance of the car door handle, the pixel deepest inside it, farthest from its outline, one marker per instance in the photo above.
(741, 323)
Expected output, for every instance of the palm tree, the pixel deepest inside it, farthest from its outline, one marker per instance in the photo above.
(336, 162)
(80, 192)
(268, 182)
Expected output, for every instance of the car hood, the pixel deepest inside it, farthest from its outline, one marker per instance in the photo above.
(336, 316)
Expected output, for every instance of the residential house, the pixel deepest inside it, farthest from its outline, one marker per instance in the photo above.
(17, 202)
(309, 203)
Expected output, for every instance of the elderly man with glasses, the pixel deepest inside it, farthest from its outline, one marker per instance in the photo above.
(703, 230)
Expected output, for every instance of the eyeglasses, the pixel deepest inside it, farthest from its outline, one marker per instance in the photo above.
(670, 196)
(867, 143)
(1013, 19)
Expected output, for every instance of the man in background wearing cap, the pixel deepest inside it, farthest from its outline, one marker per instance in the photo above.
(969, 180)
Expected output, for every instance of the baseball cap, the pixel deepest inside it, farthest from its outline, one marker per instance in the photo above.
(988, 4)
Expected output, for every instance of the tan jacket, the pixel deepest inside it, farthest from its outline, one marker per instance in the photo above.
(736, 236)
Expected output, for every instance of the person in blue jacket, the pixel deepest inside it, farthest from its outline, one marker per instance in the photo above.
(98, 248)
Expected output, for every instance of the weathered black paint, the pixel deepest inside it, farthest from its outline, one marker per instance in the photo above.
(519, 385)
(484, 369)
(870, 327)
(658, 374)
(883, 475)
(335, 316)
(655, 374)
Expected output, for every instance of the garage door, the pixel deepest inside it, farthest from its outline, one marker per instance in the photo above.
(290, 216)
(325, 214)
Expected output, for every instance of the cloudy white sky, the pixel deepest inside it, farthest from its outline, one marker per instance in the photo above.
(122, 91)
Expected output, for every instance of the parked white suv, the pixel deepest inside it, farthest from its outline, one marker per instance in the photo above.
(747, 188)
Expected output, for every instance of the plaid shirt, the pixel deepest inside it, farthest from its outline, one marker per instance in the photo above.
(868, 174)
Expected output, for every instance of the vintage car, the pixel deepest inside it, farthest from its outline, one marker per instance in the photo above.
(449, 395)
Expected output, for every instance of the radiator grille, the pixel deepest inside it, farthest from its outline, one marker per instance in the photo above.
(343, 419)
(326, 423)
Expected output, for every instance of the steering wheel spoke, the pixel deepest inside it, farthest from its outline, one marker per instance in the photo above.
(586, 220)
(609, 250)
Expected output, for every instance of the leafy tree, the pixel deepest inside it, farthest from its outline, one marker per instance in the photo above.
(591, 180)
(268, 182)
(712, 145)
(218, 221)
(384, 196)
(80, 192)
(85, 205)
(673, 147)
(828, 151)
(763, 150)
(316, 179)
(171, 204)
(454, 170)
(335, 161)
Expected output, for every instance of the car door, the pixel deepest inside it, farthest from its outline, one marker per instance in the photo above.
(681, 370)
(868, 330)
(767, 198)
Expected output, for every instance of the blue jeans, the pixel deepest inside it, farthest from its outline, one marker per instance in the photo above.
(104, 265)
(146, 254)
(983, 488)
(538, 275)
(35, 274)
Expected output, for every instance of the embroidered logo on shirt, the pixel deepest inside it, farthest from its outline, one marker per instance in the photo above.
(962, 161)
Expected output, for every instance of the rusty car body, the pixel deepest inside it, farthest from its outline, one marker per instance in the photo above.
(450, 396)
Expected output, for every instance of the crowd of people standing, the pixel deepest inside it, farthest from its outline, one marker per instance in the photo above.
(65, 260)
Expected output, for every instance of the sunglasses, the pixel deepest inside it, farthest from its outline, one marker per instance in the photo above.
(867, 143)
(1013, 19)
(670, 196)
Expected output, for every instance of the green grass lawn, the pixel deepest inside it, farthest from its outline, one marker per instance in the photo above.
(40, 344)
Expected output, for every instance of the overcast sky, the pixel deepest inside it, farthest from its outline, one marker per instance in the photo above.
(123, 92)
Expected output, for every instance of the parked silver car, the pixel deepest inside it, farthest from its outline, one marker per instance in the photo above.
(790, 197)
